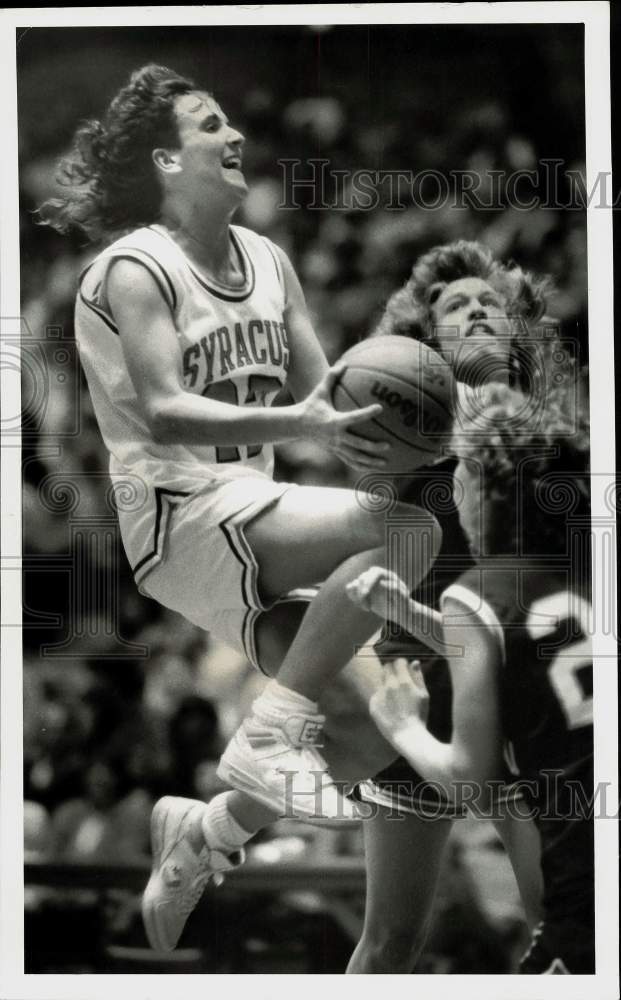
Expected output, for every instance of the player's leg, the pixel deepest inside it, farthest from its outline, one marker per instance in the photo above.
(353, 746)
(232, 818)
(403, 856)
(310, 534)
(208, 839)
(332, 535)
(523, 846)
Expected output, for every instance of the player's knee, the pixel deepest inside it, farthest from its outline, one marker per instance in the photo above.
(416, 525)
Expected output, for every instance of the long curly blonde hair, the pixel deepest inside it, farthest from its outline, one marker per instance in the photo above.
(533, 466)
(409, 311)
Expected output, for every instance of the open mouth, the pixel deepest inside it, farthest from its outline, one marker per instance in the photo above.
(480, 328)
(232, 163)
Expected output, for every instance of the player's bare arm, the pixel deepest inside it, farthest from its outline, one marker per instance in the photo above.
(399, 708)
(308, 377)
(383, 592)
(153, 360)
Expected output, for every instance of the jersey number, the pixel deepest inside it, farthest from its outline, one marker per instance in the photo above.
(259, 387)
(563, 671)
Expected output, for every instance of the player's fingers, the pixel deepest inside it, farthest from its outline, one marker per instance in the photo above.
(347, 457)
(358, 460)
(401, 671)
(390, 672)
(417, 676)
(333, 376)
(375, 576)
(356, 592)
(393, 585)
(365, 444)
(362, 584)
(352, 417)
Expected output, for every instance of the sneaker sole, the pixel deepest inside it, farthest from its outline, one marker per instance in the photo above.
(163, 810)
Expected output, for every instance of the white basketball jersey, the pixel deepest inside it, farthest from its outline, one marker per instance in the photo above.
(233, 348)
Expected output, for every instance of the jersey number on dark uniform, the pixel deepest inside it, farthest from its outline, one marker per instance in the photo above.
(566, 664)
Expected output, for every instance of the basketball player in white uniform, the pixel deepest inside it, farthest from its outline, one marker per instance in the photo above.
(187, 328)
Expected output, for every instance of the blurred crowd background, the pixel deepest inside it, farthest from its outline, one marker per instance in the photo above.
(123, 700)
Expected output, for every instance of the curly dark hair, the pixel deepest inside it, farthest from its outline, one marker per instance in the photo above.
(534, 468)
(409, 311)
(109, 176)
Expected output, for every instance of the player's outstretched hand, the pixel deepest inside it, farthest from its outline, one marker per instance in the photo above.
(379, 590)
(401, 700)
(337, 430)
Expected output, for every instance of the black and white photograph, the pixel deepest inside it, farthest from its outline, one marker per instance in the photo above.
(309, 499)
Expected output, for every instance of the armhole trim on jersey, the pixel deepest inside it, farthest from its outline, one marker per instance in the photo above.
(277, 264)
(155, 269)
(479, 606)
(165, 500)
(102, 314)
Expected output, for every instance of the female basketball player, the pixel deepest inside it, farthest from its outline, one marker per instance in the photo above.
(523, 672)
(187, 328)
(479, 313)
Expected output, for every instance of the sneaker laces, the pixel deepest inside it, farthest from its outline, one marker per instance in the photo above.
(195, 891)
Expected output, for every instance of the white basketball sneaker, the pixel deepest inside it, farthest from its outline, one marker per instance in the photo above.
(182, 866)
(281, 767)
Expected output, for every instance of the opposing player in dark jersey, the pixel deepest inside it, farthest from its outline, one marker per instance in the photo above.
(480, 314)
(517, 626)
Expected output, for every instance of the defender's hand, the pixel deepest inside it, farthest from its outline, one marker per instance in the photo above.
(401, 700)
(379, 590)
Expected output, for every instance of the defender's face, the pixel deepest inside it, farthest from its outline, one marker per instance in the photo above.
(210, 154)
(473, 331)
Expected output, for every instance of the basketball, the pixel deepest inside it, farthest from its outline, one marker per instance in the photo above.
(416, 389)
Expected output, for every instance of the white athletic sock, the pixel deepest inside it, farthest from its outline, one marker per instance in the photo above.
(221, 831)
(276, 703)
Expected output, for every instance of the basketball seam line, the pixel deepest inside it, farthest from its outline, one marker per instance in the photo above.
(428, 451)
(374, 371)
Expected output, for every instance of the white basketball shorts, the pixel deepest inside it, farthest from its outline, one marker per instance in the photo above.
(208, 572)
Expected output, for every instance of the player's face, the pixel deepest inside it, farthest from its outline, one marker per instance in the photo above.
(473, 330)
(210, 155)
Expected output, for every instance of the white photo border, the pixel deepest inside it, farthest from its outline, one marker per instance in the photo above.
(14, 984)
